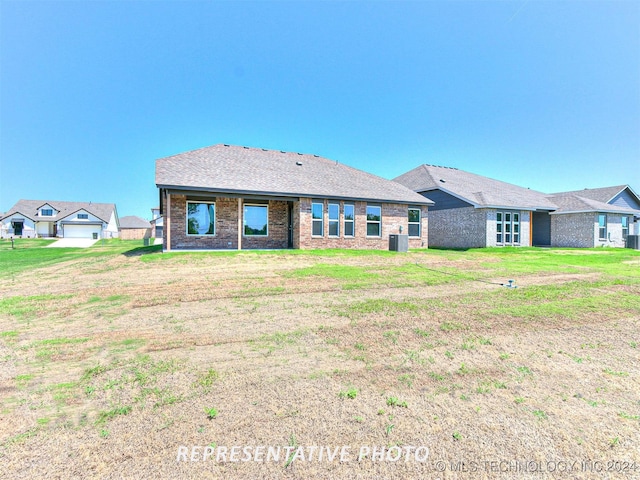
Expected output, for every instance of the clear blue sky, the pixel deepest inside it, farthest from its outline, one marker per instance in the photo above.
(542, 94)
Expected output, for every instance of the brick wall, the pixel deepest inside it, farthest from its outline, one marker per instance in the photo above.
(394, 216)
(582, 230)
(226, 227)
(459, 228)
(574, 230)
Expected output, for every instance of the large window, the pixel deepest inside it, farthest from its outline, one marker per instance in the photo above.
(625, 227)
(201, 218)
(256, 220)
(507, 228)
(414, 222)
(317, 219)
(349, 220)
(334, 220)
(374, 221)
(602, 226)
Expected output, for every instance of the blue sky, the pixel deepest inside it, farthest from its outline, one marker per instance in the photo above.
(543, 94)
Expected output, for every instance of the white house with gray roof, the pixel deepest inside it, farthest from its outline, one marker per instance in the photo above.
(232, 197)
(60, 219)
(473, 211)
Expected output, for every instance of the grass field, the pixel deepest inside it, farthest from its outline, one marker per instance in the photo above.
(115, 361)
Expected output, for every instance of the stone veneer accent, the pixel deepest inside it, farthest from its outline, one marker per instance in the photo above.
(394, 216)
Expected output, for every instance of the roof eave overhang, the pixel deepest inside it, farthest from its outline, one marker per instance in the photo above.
(18, 212)
(232, 193)
(591, 210)
(520, 207)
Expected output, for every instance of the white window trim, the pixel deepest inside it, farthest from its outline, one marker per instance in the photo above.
(605, 226)
(314, 220)
(334, 220)
(419, 223)
(243, 219)
(351, 221)
(215, 219)
(511, 224)
(379, 222)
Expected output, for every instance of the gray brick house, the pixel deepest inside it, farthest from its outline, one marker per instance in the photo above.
(593, 217)
(231, 197)
(473, 211)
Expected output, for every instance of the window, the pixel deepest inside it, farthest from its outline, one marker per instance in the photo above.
(256, 220)
(46, 212)
(349, 219)
(201, 218)
(317, 219)
(602, 226)
(374, 221)
(625, 227)
(414, 222)
(83, 216)
(334, 220)
(508, 228)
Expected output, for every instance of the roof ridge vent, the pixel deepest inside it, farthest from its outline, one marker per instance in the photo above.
(226, 144)
(246, 147)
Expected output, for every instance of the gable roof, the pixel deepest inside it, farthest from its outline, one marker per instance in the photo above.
(479, 191)
(256, 171)
(604, 194)
(570, 202)
(30, 208)
(132, 221)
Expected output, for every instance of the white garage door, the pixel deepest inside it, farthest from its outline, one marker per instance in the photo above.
(81, 231)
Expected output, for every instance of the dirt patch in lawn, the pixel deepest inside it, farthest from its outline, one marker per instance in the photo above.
(129, 361)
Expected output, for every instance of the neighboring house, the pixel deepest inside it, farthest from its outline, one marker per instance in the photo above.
(472, 211)
(157, 224)
(230, 197)
(594, 217)
(134, 228)
(46, 218)
(475, 211)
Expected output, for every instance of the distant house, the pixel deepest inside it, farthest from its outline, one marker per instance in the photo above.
(475, 211)
(472, 211)
(157, 224)
(593, 217)
(134, 228)
(47, 218)
(230, 197)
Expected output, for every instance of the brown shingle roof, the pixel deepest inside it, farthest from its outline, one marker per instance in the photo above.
(475, 189)
(244, 170)
(30, 208)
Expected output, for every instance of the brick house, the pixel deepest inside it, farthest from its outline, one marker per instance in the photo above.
(472, 211)
(134, 228)
(231, 197)
(594, 217)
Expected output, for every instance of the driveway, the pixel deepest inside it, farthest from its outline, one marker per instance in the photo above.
(73, 243)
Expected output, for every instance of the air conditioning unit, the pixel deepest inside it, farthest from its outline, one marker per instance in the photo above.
(633, 241)
(399, 243)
